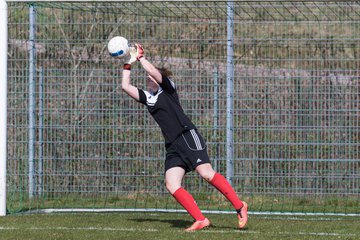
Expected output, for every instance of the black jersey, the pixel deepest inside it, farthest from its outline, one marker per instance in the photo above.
(165, 108)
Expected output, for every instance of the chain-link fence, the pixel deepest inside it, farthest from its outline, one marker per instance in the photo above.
(75, 140)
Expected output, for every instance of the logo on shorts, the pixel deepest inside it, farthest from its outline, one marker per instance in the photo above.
(198, 160)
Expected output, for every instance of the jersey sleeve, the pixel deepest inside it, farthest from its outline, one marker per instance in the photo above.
(142, 96)
(167, 85)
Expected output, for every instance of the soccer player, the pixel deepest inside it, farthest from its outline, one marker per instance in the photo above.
(185, 147)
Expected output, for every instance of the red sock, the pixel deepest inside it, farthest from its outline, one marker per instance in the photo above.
(188, 202)
(226, 189)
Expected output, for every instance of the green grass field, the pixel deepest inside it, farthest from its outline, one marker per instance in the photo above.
(171, 226)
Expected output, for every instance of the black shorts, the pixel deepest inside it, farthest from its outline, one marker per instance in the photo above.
(187, 151)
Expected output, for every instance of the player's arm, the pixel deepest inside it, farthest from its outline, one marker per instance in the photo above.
(148, 67)
(151, 70)
(126, 86)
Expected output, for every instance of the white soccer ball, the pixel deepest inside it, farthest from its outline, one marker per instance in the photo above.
(118, 47)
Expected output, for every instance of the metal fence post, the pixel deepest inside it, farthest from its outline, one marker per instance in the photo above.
(229, 92)
(32, 75)
(3, 105)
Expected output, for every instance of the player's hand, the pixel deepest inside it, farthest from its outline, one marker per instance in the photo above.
(131, 57)
(140, 51)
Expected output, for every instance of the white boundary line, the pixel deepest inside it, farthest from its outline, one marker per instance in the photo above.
(83, 229)
(106, 210)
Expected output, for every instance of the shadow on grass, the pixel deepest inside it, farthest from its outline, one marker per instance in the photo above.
(183, 223)
(174, 222)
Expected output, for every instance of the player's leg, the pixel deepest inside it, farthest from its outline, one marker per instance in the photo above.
(220, 183)
(173, 178)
